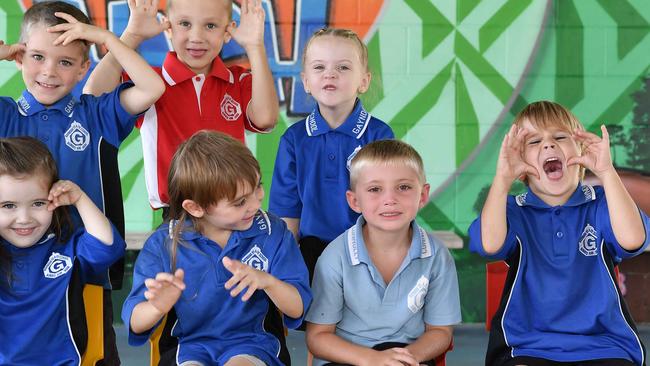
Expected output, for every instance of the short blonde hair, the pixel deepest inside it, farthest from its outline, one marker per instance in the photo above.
(339, 33)
(226, 3)
(391, 153)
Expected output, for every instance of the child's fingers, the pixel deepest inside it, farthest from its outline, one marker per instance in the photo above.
(179, 279)
(530, 170)
(604, 133)
(249, 293)
(151, 283)
(67, 17)
(579, 160)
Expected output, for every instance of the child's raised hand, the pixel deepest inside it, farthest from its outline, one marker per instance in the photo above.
(511, 164)
(63, 193)
(9, 52)
(250, 32)
(74, 30)
(392, 357)
(143, 20)
(244, 277)
(596, 155)
(164, 290)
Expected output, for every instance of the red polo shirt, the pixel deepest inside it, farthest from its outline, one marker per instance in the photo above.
(191, 102)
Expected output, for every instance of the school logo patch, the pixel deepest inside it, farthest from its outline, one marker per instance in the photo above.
(417, 295)
(230, 109)
(354, 153)
(57, 265)
(256, 259)
(77, 137)
(587, 244)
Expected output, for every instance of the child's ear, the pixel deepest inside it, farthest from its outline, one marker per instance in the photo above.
(193, 208)
(424, 195)
(19, 60)
(83, 70)
(352, 201)
(227, 36)
(365, 83)
(168, 26)
(304, 82)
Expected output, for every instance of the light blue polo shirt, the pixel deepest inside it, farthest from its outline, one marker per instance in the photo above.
(350, 292)
(311, 172)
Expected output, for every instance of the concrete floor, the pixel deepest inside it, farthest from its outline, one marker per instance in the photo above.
(470, 342)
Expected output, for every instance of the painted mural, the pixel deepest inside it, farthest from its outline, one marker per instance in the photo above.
(448, 76)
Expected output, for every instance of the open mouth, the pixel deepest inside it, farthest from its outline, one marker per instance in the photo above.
(24, 231)
(329, 87)
(390, 214)
(46, 85)
(196, 52)
(553, 168)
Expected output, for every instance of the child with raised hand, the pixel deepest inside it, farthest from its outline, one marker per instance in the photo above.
(40, 252)
(385, 291)
(201, 92)
(312, 165)
(219, 263)
(562, 240)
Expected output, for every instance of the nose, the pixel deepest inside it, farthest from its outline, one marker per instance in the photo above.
(330, 73)
(195, 34)
(389, 198)
(48, 68)
(22, 216)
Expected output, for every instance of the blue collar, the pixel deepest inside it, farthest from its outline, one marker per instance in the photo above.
(355, 125)
(28, 105)
(583, 194)
(420, 244)
(261, 226)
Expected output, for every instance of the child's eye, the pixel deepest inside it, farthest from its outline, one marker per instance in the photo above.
(533, 142)
(39, 203)
(374, 189)
(343, 68)
(560, 137)
(240, 203)
(37, 57)
(184, 23)
(319, 67)
(66, 63)
(211, 26)
(8, 206)
(404, 187)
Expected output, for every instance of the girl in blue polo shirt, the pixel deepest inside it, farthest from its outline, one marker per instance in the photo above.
(561, 304)
(312, 165)
(219, 263)
(40, 255)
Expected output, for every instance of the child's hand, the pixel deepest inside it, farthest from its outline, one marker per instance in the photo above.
(392, 357)
(143, 21)
(63, 193)
(245, 276)
(164, 290)
(74, 30)
(9, 52)
(511, 164)
(595, 152)
(250, 32)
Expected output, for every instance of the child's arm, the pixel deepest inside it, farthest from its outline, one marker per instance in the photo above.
(143, 24)
(510, 166)
(285, 296)
(293, 225)
(162, 293)
(65, 192)
(325, 344)
(623, 212)
(432, 343)
(148, 86)
(263, 109)
(8, 52)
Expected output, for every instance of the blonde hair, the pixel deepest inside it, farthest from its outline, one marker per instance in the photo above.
(339, 33)
(226, 3)
(545, 114)
(207, 168)
(392, 153)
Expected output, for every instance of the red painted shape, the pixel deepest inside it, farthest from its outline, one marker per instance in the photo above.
(357, 15)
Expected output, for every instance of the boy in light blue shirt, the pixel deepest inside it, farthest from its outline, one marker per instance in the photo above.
(384, 290)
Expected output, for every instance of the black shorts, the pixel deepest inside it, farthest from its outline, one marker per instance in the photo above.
(385, 346)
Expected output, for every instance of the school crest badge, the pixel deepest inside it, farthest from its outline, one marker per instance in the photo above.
(77, 137)
(417, 294)
(256, 259)
(57, 265)
(587, 244)
(230, 109)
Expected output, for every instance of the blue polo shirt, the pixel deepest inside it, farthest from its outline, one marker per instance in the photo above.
(350, 292)
(36, 327)
(212, 326)
(311, 172)
(563, 304)
(75, 131)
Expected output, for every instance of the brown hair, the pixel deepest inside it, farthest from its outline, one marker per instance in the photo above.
(207, 168)
(42, 13)
(227, 3)
(340, 33)
(387, 153)
(544, 114)
(25, 156)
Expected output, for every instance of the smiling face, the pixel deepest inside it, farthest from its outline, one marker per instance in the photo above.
(334, 73)
(548, 149)
(198, 31)
(51, 72)
(24, 217)
(388, 196)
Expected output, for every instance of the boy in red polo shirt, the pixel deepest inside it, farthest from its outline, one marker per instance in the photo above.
(201, 92)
